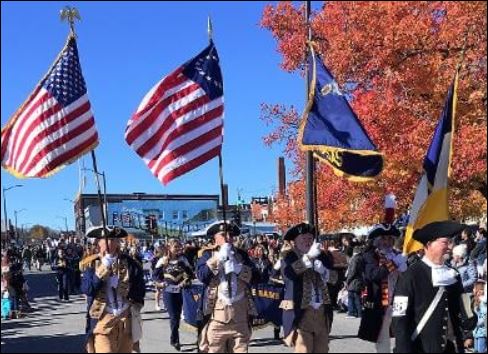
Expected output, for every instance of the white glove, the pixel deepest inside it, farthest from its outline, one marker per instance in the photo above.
(319, 267)
(225, 252)
(277, 265)
(307, 261)
(113, 281)
(117, 312)
(314, 251)
(108, 260)
(232, 266)
(401, 262)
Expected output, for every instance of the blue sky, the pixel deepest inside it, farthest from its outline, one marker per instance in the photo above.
(125, 48)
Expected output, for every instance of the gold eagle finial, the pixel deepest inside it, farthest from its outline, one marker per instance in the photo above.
(70, 14)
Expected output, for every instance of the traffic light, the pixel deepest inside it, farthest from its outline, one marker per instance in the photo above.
(237, 218)
(153, 222)
(147, 222)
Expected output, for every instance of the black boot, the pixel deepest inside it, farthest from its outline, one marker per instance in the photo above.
(277, 333)
(177, 346)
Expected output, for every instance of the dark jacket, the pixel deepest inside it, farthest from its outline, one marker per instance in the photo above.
(265, 269)
(374, 311)
(206, 276)
(355, 274)
(60, 265)
(91, 285)
(179, 273)
(294, 292)
(479, 252)
(415, 286)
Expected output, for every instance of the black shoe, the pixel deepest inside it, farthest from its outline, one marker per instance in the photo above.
(177, 346)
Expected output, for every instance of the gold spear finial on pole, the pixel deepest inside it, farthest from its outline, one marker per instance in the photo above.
(70, 14)
(209, 28)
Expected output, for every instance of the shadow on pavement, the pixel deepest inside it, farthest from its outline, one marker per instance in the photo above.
(41, 284)
(44, 344)
(352, 336)
(265, 342)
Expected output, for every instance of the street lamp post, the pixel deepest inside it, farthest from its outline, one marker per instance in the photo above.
(104, 189)
(74, 212)
(22, 230)
(16, 212)
(65, 218)
(5, 207)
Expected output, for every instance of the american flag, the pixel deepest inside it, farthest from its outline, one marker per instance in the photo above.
(179, 124)
(55, 124)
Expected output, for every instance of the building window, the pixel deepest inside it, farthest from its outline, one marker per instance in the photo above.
(185, 214)
(175, 214)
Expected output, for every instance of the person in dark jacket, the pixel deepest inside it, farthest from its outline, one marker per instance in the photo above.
(307, 311)
(355, 284)
(382, 266)
(115, 291)
(478, 254)
(62, 268)
(262, 264)
(428, 311)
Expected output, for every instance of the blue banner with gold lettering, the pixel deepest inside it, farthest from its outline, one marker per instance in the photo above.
(331, 129)
(192, 297)
(267, 299)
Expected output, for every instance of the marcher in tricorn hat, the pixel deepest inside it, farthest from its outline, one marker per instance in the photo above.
(382, 266)
(115, 289)
(306, 305)
(429, 312)
(227, 310)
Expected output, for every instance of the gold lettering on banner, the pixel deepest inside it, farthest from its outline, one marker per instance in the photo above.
(267, 294)
(334, 157)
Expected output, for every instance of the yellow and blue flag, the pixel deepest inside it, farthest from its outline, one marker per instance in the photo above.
(431, 199)
(332, 130)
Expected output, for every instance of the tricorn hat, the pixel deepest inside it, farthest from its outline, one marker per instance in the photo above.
(438, 229)
(299, 229)
(383, 230)
(110, 232)
(231, 228)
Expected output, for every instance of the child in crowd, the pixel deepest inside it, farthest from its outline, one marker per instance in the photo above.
(479, 332)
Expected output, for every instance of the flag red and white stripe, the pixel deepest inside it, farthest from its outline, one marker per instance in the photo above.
(54, 126)
(179, 124)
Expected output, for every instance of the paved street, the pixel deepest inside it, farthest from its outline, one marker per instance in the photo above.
(58, 328)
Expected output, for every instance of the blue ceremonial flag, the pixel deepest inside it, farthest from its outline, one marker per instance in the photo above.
(331, 129)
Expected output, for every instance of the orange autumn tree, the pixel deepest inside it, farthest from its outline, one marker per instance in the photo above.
(396, 60)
